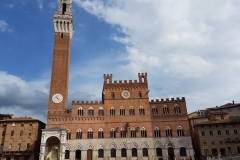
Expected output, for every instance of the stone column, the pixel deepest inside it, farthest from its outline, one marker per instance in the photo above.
(129, 154)
(62, 152)
(95, 154)
(84, 154)
(139, 154)
(72, 155)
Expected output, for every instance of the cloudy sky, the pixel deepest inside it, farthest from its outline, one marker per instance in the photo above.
(188, 48)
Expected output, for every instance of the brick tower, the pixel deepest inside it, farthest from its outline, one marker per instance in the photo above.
(63, 25)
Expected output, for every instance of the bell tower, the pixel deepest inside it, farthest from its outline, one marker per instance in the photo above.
(63, 26)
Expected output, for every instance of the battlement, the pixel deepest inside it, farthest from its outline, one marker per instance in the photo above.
(108, 79)
(87, 102)
(167, 100)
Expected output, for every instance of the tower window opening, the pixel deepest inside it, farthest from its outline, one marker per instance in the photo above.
(64, 8)
(61, 35)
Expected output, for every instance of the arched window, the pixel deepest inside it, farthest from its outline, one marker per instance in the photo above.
(100, 153)
(112, 111)
(131, 111)
(64, 8)
(90, 111)
(157, 132)
(112, 95)
(165, 110)
(122, 111)
(154, 110)
(67, 154)
(145, 152)
(113, 152)
(168, 132)
(100, 133)
(68, 134)
(180, 131)
(123, 133)
(177, 109)
(123, 152)
(133, 133)
(134, 152)
(100, 112)
(159, 151)
(143, 132)
(90, 133)
(112, 133)
(183, 151)
(80, 111)
(141, 111)
(140, 94)
(79, 134)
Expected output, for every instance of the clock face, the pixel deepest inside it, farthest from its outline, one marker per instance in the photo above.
(125, 94)
(57, 98)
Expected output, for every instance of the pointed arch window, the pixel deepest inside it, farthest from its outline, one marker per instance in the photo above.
(165, 110)
(122, 111)
(180, 131)
(141, 111)
(80, 111)
(90, 133)
(134, 152)
(183, 151)
(67, 154)
(177, 109)
(154, 110)
(140, 94)
(143, 132)
(123, 152)
(133, 133)
(112, 95)
(112, 111)
(113, 152)
(100, 153)
(159, 151)
(100, 112)
(157, 132)
(131, 111)
(79, 134)
(68, 134)
(145, 152)
(168, 132)
(100, 133)
(112, 133)
(90, 112)
(123, 133)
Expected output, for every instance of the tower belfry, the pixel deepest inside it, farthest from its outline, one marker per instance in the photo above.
(63, 26)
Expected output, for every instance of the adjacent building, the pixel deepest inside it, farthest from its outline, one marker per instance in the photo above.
(20, 137)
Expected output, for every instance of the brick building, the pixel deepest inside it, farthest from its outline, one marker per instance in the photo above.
(124, 125)
(20, 137)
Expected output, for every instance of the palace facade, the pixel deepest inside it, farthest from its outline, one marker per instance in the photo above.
(126, 124)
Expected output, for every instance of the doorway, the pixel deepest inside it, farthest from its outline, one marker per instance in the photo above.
(78, 155)
(171, 153)
(89, 154)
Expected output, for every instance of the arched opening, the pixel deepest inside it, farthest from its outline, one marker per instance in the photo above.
(100, 153)
(145, 152)
(159, 151)
(89, 154)
(134, 152)
(171, 153)
(113, 152)
(78, 155)
(67, 154)
(123, 152)
(183, 152)
(64, 8)
(52, 148)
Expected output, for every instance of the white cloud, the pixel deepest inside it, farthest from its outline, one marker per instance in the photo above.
(40, 4)
(189, 48)
(4, 27)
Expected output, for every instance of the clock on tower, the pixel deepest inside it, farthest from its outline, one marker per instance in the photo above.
(63, 26)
